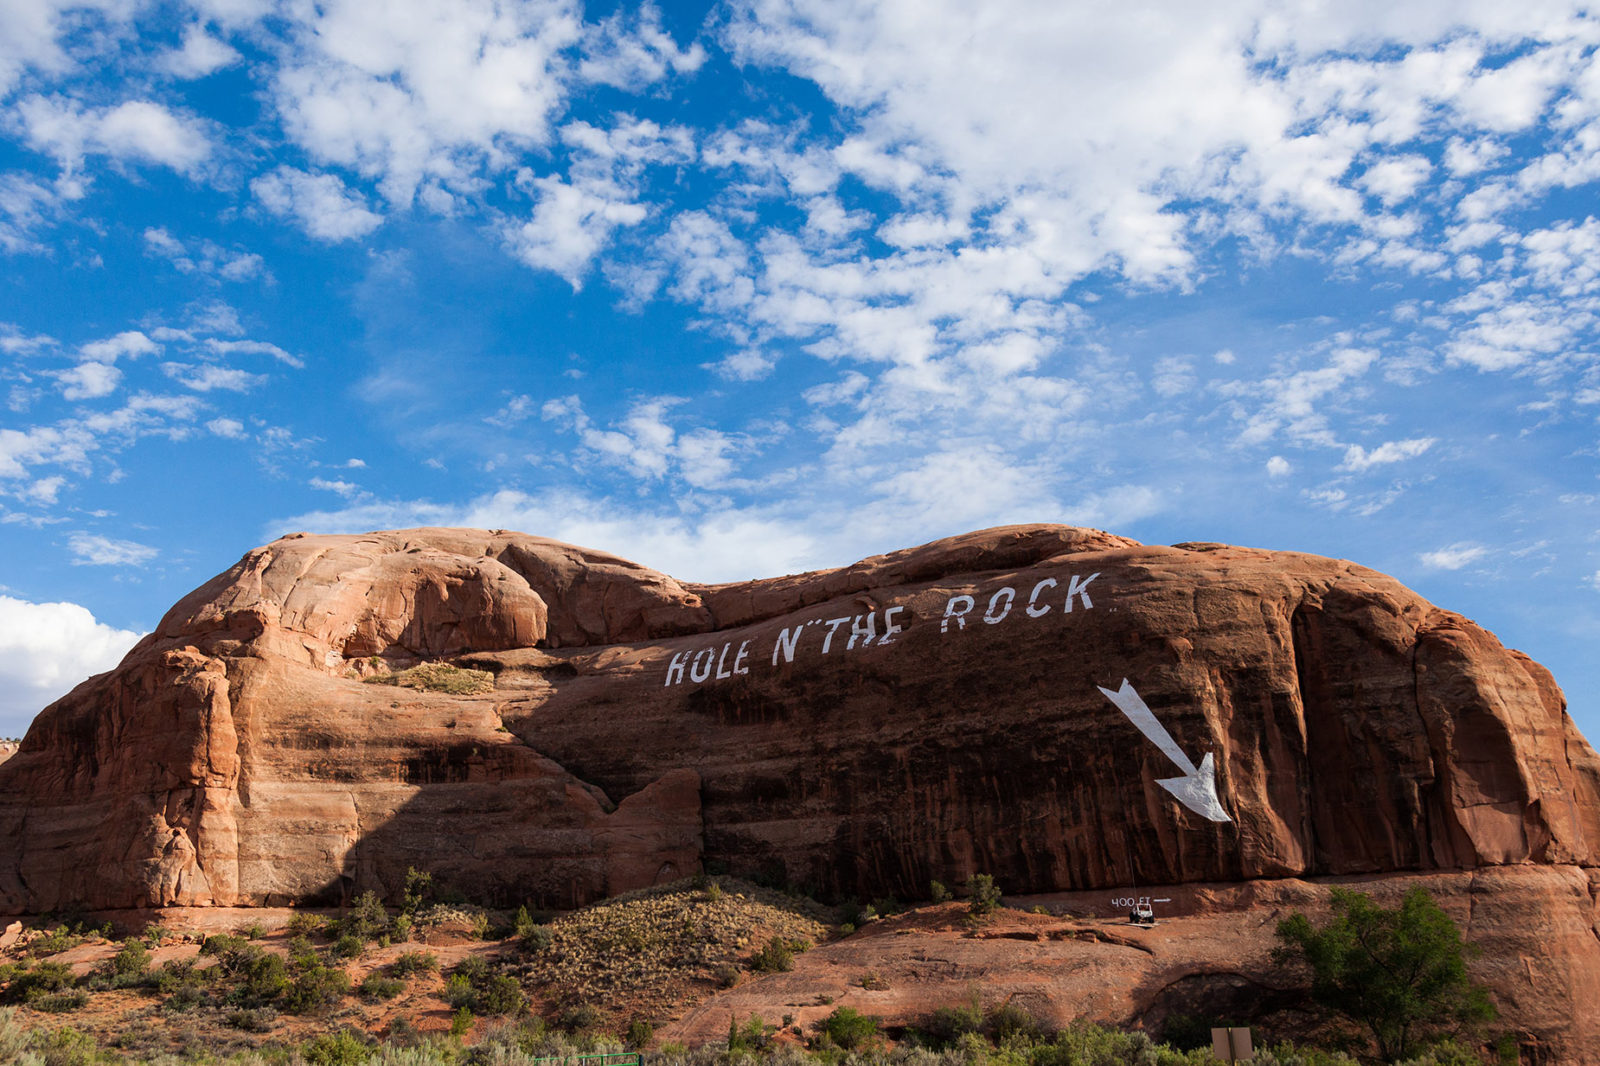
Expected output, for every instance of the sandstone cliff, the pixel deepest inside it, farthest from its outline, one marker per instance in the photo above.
(1063, 708)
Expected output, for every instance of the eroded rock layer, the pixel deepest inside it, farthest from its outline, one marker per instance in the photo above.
(1062, 708)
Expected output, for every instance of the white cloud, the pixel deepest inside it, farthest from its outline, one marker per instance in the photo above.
(44, 491)
(574, 218)
(205, 257)
(1453, 557)
(206, 377)
(1396, 179)
(745, 365)
(131, 343)
(29, 32)
(89, 380)
(321, 203)
(1278, 466)
(1294, 402)
(25, 207)
(569, 226)
(135, 130)
(633, 53)
(645, 445)
(1358, 459)
(721, 545)
(200, 55)
(225, 348)
(424, 91)
(92, 549)
(229, 428)
(46, 649)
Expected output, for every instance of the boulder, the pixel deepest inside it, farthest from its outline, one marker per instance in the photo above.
(1065, 709)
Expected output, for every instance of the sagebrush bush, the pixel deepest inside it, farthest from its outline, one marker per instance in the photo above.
(439, 677)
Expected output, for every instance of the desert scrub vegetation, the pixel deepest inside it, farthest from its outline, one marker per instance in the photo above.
(646, 949)
(750, 1043)
(439, 677)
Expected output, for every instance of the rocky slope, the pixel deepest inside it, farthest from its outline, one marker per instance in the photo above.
(1063, 708)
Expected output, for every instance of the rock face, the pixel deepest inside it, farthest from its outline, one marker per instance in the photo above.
(1062, 708)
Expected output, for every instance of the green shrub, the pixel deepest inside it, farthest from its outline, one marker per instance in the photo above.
(42, 979)
(304, 923)
(475, 968)
(1400, 972)
(458, 991)
(501, 995)
(537, 939)
(180, 974)
(948, 1024)
(411, 963)
(253, 1020)
(640, 1033)
(937, 892)
(220, 944)
(1010, 1020)
(314, 989)
(403, 927)
(850, 1029)
(582, 1018)
(349, 946)
(54, 942)
(65, 1047)
(983, 895)
(344, 1048)
(418, 891)
(132, 960)
(377, 986)
(266, 979)
(301, 953)
(184, 998)
(60, 1002)
(776, 957)
(367, 919)
(461, 1021)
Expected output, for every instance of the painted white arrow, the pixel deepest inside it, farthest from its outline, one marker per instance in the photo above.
(1197, 788)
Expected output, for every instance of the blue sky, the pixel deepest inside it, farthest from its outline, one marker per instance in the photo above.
(743, 288)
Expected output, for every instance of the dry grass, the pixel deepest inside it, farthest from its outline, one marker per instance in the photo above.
(439, 677)
(650, 953)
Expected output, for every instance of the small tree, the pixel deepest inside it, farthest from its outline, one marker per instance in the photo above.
(1401, 973)
(983, 895)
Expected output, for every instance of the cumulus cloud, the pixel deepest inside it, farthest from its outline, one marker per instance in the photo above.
(228, 428)
(425, 91)
(129, 343)
(133, 131)
(46, 649)
(89, 380)
(321, 204)
(201, 54)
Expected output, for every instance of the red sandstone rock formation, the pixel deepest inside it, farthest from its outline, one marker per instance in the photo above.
(953, 708)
